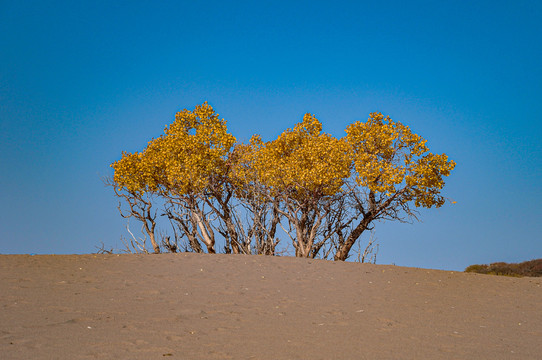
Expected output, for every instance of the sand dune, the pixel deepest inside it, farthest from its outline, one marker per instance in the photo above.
(189, 306)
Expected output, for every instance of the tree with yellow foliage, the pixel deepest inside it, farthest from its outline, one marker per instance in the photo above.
(187, 167)
(324, 192)
(133, 182)
(304, 170)
(192, 157)
(260, 209)
(392, 168)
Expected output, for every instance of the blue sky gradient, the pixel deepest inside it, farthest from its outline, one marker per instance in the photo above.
(82, 81)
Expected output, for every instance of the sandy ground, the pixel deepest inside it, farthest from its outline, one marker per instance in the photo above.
(189, 306)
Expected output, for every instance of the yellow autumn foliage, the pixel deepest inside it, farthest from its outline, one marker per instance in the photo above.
(383, 155)
(191, 153)
(131, 173)
(390, 158)
(304, 176)
(301, 160)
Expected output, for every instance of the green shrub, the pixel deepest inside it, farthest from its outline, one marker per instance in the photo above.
(526, 268)
(480, 269)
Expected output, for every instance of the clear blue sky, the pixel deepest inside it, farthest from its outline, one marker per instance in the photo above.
(81, 81)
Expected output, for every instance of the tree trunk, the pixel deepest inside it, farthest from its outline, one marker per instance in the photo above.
(150, 232)
(232, 233)
(301, 250)
(191, 234)
(344, 249)
(270, 237)
(155, 245)
(206, 234)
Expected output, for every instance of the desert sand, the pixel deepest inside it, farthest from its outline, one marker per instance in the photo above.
(191, 306)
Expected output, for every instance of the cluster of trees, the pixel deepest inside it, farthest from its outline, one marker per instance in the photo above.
(322, 192)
